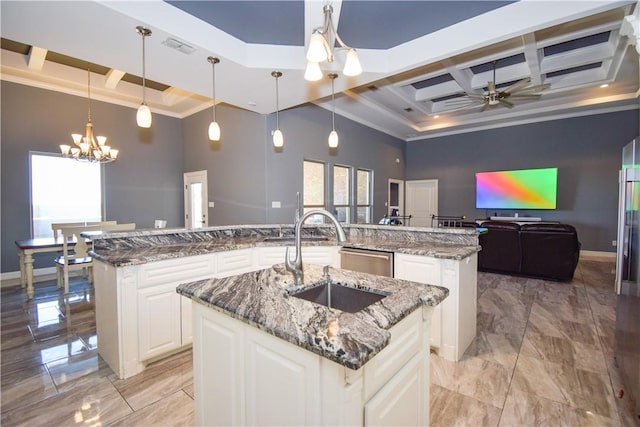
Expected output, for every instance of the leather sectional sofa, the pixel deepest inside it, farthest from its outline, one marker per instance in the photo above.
(544, 250)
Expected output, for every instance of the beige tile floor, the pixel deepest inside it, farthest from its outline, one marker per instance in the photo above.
(543, 356)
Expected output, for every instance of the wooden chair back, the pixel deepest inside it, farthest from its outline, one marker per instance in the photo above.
(57, 227)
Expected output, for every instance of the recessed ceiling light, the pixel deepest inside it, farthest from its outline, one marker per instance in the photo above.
(436, 116)
(604, 85)
(252, 103)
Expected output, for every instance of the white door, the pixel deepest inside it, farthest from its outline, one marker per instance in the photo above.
(195, 199)
(421, 201)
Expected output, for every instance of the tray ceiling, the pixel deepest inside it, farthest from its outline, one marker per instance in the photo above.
(419, 57)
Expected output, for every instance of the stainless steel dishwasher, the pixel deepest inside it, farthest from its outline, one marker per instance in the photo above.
(367, 261)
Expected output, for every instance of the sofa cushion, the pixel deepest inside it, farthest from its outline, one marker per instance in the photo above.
(549, 250)
(500, 247)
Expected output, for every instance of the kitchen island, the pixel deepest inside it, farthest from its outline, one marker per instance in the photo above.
(140, 318)
(264, 356)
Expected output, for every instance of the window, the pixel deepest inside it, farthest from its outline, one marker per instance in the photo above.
(63, 190)
(364, 206)
(313, 191)
(342, 193)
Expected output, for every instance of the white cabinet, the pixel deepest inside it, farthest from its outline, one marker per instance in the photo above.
(454, 320)
(159, 321)
(245, 376)
(234, 262)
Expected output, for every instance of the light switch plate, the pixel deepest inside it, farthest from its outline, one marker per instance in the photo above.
(211, 204)
(276, 204)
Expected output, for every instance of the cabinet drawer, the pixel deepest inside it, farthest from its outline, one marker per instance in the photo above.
(234, 262)
(176, 271)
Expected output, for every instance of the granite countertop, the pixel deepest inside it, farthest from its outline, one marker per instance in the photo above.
(143, 255)
(262, 299)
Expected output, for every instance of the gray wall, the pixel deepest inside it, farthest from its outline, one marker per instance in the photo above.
(246, 174)
(142, 185)
(586, 150)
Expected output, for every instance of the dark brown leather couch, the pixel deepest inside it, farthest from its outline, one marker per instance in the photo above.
(545, 250)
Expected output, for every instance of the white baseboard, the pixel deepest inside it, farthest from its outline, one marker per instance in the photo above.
(12, 278)
(598, 255)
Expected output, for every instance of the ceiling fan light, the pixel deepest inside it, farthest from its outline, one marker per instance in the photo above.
(278, 138)
(313, 73)
(317, 51)
(143, 117)
(333, 139)
(352, 65)
(214, 131)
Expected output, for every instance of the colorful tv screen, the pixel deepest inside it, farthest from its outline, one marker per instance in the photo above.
(517, 189)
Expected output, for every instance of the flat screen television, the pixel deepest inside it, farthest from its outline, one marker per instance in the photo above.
(517, 189)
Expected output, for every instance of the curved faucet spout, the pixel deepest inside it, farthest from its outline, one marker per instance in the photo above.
(295, 267)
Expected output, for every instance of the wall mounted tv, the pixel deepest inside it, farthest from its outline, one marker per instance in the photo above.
(517, 189)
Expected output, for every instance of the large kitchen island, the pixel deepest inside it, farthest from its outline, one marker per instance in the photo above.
(263, 356)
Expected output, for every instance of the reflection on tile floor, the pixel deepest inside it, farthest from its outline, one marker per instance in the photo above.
(543, 355)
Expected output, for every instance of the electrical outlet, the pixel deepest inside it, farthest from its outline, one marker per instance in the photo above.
(614, 243)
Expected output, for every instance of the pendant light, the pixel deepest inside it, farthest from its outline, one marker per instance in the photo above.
(214, 127)
(143, 118)
(278, 139)
(333, 136)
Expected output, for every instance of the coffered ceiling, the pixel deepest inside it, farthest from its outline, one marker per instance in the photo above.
(420, 58)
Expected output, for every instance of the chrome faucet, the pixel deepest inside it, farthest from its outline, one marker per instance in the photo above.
(295, 267)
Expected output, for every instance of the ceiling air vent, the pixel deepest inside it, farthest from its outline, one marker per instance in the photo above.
(372, 87)
(178, 45)
(408, 109)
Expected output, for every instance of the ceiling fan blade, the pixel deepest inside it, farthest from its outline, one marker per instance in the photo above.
(536, 88)
(517, 85)
(525, 96)
(506, 103)
(484, 107)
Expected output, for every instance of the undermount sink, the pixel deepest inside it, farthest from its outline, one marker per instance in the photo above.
(292, 238)
(340, 297)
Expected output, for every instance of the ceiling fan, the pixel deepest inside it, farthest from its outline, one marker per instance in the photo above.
(493, 96)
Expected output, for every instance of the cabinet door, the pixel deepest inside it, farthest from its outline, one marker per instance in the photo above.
(277, 372)
(402, 400)
(159, 325)
(422, 270)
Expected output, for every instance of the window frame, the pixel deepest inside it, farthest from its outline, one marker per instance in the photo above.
(368, 206)
(350, 200)
(32, 226)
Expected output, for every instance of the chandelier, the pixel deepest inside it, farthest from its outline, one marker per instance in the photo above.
(321, 47)
(89, 148)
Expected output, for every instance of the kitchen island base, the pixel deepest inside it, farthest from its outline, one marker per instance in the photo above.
(245, 376)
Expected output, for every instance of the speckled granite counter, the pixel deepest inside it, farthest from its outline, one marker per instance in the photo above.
(143, 246)
(263, 299)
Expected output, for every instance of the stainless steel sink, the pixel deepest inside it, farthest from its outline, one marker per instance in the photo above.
(340, 297)
(292, 239)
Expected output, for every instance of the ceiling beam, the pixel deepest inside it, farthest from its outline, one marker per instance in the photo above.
(37, 55)
(113, 77)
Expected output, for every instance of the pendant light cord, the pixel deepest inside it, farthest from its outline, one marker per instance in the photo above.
(144, 72)
(89, 92)
(277, 106)
(213, 64)
(333, 106)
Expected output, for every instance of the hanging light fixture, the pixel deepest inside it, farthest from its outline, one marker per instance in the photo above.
(278, 139)
(333, 136)
(89, 148)
(321, 46)
(143, 118)
(214, 127)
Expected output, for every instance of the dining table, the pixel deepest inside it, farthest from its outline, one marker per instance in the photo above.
(28, 247)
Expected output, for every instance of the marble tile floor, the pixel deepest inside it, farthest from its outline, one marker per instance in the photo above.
(543, 356)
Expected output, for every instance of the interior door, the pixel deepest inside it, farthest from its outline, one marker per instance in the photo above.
(421, 201)
(195, 199)
(395, 196)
